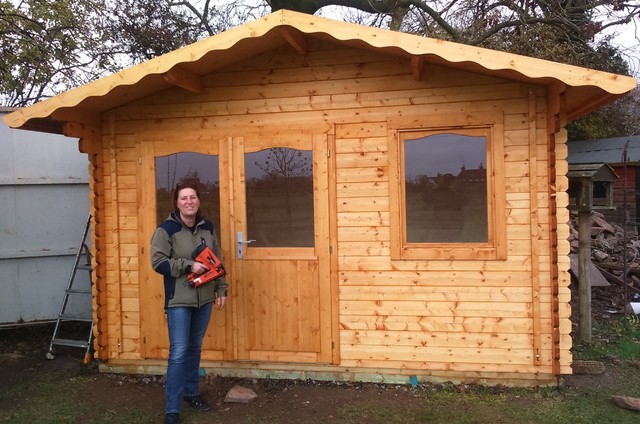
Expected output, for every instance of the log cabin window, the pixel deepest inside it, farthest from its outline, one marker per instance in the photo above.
(279, 196)
(188, 167)
(448, 195)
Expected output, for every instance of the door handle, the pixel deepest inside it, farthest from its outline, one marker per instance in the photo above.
(241, 244)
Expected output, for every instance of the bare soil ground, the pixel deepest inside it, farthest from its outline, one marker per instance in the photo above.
(22, 360)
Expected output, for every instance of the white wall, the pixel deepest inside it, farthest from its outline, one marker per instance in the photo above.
(44, 205)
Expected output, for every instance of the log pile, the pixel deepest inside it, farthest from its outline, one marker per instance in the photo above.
(608, 250)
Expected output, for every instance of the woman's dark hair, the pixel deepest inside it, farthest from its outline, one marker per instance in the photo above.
(182, 186)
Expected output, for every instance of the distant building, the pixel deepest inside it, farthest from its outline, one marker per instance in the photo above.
(610, 151)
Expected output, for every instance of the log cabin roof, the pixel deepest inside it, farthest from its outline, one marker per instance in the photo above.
(604, 150)
(585, 89)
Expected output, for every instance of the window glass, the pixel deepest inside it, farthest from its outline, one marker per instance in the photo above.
(188, 167)
(445, 183)
(279, 195)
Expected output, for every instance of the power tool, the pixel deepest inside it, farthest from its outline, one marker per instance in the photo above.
(205, 255)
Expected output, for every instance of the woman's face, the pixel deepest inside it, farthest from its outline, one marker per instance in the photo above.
(188, 202)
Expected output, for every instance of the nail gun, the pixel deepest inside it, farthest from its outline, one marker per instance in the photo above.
(205, 255)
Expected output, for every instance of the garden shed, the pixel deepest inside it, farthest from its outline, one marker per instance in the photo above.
(613, 152)
(390, 207)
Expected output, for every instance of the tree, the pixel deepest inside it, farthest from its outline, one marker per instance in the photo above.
(285, 163)
(282, 166)
(475, 21)
(142, 30)
(47, 47)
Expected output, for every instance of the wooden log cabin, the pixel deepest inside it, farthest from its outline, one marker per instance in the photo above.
(389, 206)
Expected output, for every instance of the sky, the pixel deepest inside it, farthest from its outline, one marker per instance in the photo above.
(627, 41)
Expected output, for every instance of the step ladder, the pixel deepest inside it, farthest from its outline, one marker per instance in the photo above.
(82, 263)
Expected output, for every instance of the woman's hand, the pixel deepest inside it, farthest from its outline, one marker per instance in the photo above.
(221, 301)
(199, 268)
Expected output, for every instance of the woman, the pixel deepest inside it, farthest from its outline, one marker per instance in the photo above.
(188, 309)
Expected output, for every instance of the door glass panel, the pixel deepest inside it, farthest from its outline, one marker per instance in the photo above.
(188, 167)
(279, 193)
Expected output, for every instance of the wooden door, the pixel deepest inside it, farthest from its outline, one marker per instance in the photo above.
(280, 208)
(165, 161)
(280, 305)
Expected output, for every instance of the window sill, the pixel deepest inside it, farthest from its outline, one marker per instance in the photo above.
(449, 253)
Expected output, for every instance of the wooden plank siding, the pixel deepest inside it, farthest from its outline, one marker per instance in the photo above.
(467, 317)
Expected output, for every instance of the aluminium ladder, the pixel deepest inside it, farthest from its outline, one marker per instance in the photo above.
(83, 253)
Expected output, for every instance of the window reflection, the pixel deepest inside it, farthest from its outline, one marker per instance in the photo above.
(188, 167)
(446, 188)
(279, 193)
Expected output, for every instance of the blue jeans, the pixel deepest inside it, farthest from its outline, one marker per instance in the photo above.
(187, 327)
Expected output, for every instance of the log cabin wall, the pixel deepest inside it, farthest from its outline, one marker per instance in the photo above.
(487, 320)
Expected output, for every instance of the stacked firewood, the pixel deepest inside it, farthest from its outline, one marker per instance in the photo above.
(608, 250)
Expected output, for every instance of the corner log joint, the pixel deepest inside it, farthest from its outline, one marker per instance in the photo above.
(79, 116)
(81, 130)
(89, 146)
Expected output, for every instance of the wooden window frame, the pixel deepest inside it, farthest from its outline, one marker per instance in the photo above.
(495, 247)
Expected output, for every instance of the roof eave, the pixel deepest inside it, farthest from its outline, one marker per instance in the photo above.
(596, 88)
(592, 104)
(44, 125)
